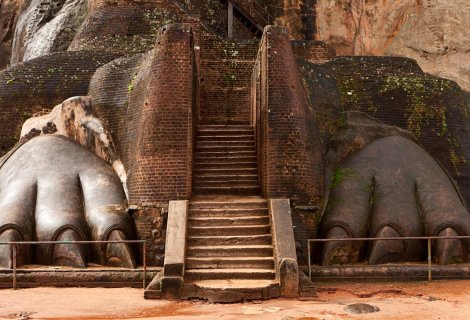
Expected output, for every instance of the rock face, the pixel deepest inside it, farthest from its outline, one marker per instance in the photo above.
(45, 27)
(434, 32)
(9, 13)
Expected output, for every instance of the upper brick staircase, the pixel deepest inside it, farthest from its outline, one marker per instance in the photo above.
(251, 14)
(229, 244)
(225, 161)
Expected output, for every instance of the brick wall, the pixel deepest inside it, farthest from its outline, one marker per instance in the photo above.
(211, 12)
(313, 51)
(289, 143)
(225, 73)
(39, 85)
(324, 97)
(147, 101)
(123, 26)
(110, 89)
(160, 122)
(288, 140)
(98, 4)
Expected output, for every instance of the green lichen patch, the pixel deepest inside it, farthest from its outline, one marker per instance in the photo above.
(420, 91)
(339, 175)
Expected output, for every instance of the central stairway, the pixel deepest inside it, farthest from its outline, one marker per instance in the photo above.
(229, 245)
(229, 250)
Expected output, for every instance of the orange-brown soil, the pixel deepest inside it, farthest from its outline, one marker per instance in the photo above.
(413, 300)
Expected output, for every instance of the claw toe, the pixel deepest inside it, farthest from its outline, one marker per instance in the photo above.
(387, 251)
(6, 258)
(449, 250)
(71, 255)
(339, 252)
(119, 254)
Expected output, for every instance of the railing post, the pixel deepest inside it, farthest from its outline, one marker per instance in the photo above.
(145, 264)
(308, 257)
(13, 246)
(429, 260)
(229, 19)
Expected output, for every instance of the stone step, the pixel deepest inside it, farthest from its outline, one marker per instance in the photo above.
(235, 273)
(244, 230)
(225, 133)
(243, 203)
(223, 158)
(226, 171)
(225, 177)
(224, 154)
(223, 127)
(226, 149)
(225, 165)
(264, 239)
(231, 290)
(227, 221)
(243, 190)
(225, 143)
(226, 137)
(230, 251)
(224, 212)
(229, 262)
(225, 184)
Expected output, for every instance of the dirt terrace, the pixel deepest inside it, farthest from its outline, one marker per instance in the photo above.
(414, 300)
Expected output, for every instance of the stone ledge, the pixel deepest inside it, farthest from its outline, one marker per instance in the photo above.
(68, 277)
(390, 272)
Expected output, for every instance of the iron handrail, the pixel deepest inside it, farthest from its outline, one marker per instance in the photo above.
(13, 252)
(428, 238)
(257, 8)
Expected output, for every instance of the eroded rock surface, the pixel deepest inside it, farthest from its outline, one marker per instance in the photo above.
(434, 32)
(9, 13)
(46, 26)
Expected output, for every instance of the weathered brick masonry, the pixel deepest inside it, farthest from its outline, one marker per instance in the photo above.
(312, 51)
(149, 111)
(324, 98)
(226, 68)
(289, 142)
(161, 155)
(124, 27)
(110, 89)
(40, 84)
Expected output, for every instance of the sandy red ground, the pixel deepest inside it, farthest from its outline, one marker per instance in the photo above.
(416, 300)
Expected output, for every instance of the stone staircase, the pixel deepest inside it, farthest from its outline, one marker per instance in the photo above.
(229, 250)
(227, 243)
(225, 161)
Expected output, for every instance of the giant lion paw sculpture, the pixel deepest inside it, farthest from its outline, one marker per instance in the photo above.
(392, 188)
(54, 189)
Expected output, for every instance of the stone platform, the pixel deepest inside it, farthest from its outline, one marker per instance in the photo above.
(33, 276)
(389, 272)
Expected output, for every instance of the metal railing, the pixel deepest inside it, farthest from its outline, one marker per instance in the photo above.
(14, 251)
(429, 247)
(255, 10)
